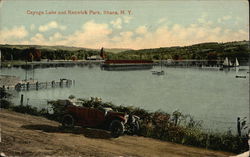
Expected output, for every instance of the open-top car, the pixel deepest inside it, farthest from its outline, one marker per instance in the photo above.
(101, 117)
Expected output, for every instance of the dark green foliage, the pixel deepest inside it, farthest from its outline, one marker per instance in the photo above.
(3, 93)
(203, 51)
(5, 104)
(26, 109)
(36, 52)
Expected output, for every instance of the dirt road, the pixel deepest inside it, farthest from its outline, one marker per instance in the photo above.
(26, 135)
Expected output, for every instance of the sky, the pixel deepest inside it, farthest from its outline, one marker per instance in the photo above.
(123, 24)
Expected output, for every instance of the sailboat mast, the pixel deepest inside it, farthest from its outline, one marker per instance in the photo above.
(161, 61)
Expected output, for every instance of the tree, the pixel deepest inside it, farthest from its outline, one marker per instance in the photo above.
(37, 55)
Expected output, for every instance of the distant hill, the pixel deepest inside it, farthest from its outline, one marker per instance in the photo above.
(67, 48)
(58, 47)
(116, 50)
(209, 51)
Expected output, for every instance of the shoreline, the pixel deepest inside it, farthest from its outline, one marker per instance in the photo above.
(71, 63)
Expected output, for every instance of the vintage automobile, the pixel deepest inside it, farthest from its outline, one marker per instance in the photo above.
(105, 118)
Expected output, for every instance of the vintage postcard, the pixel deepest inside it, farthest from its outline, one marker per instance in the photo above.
(124, 78)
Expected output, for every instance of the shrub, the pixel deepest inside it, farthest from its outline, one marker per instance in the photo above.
(5, 104)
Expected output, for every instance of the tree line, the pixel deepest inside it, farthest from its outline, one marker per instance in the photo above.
(37, 54)
(203, 51)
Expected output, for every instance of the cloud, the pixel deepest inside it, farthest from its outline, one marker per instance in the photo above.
(127, 19)
(141, 30)
(14, 33)
(117, 23)
(51, 25)
(94, 35)
(176, 35)
(203, 20)
(224, 18)
(32, 27)
(55, 37)
(38, 39)
(161, 20)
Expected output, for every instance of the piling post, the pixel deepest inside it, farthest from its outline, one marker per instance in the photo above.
(52, 84)
(46, 84)
(67, 83)
(61, 83)
(238, 127)
(28, 85)
(37, 85)
(21, 101)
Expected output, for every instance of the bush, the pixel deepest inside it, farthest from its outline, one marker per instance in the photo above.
(5, 104)
(26, 109)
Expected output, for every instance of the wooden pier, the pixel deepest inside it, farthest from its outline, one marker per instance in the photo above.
(36, 85)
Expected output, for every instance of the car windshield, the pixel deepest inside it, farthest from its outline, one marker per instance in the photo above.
(106, 109)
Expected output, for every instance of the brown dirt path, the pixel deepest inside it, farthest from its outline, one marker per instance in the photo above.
(26, 135)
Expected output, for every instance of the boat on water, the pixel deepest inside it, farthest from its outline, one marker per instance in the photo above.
(228, 64)
(237, 64)
(162, 72)
(240, 76)
(158, 72)
(127, 65)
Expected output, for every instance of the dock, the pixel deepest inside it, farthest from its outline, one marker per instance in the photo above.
(8, 81)
(14, 83)
(36, 85)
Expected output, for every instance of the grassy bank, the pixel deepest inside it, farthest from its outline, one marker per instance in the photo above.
(175, 127)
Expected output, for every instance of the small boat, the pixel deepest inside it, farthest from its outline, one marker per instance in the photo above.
(240, 76)
(227, 63)
(158, 72)
(236, 63)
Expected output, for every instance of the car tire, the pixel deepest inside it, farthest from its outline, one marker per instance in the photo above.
(116, 128)
(68, 121)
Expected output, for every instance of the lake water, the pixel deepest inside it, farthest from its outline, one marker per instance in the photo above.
(214, 96)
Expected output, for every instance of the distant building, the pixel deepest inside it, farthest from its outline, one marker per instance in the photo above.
(95, 57)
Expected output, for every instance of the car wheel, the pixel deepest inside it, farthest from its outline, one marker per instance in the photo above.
(68, 121)
(116, 128)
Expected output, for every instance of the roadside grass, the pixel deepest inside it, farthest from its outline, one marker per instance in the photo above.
(175, 127)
